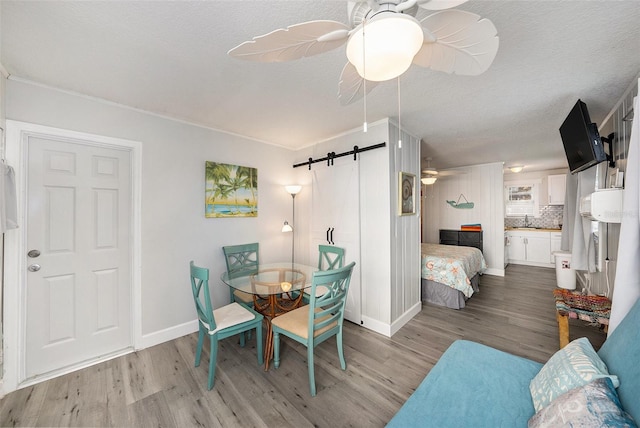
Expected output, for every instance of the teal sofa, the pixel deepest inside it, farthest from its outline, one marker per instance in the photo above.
(473, 385)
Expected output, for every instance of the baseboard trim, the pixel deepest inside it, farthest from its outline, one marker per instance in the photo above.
(537, 264)
(168, 334)
(405, 318)
(494, 272)
(389, 330)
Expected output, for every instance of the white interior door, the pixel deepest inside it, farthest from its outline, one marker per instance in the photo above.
(78, 289)
(335, 207)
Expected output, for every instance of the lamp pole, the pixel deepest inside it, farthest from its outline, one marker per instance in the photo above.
(293, 191)
(293, 234)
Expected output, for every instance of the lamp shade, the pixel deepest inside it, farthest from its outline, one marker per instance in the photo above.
(390, 41)
(428, 180)
(516, 168)
(293, 189)
(286, 227)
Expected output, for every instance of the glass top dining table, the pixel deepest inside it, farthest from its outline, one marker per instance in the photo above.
(273, 279)
(277, 288)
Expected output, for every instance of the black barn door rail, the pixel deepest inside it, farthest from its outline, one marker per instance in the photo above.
(332, 155)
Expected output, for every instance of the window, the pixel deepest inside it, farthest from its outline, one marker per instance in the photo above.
(521, 198)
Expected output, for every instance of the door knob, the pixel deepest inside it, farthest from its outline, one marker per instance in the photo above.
(34, 267)
(33, 254)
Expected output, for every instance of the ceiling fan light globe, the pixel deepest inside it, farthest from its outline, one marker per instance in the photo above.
(428, 180)
(390, 41)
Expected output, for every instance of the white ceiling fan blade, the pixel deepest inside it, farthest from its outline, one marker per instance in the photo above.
(452, 172)
(352, 85)
(466, 44)
(294, 42)
(440, 4)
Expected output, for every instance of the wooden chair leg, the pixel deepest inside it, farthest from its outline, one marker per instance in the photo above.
(563, 329)
(212, 361)
(343, 363)
(312, 376)
(199, 347)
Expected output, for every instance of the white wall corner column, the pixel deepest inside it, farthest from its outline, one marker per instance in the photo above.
(405, 229)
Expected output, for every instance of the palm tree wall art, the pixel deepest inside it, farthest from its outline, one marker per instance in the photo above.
(230, 190)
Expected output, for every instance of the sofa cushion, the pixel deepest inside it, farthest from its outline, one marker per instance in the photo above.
(472, 385)
(620, 352)
(574, 365)
(595, 404)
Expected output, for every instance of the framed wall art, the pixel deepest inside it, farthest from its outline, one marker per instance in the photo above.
(230, 190)
(406, 193)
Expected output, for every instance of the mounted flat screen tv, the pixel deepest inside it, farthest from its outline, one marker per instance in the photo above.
(582, 143)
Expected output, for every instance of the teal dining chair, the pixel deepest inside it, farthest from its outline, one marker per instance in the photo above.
(321, 319)
(220, 323)
(329, 258)
(241, 260)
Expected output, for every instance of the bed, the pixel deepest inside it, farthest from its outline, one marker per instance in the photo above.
(450, 274)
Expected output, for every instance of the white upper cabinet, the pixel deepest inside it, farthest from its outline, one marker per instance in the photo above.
(556, 184)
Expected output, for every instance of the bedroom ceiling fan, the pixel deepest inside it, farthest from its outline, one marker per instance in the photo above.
(429, 175)
(384, 37)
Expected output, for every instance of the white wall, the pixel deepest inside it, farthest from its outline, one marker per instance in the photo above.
(482, 185)
(174, 229)
(2, 146)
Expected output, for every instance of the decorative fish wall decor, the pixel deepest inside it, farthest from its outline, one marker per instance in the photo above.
(465, 205)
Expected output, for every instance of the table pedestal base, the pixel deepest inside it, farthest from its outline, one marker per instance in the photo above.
(272, 306)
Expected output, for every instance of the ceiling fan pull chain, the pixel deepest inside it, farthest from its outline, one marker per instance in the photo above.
(364, 69)
(399, 118)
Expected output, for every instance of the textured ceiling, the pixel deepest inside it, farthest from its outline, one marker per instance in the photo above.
(170, 58)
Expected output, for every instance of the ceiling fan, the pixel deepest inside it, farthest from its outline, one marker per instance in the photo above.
(384, 37)
(429, 175)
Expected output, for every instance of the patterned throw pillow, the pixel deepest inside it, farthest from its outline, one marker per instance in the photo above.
(595, 404)
(574, 365)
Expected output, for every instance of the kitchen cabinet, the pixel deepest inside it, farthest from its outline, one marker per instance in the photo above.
(538, 248)
(516, 245)
(556, 184)
(529, 247)
(556, 238)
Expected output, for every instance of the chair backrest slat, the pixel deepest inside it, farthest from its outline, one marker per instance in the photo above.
(330, 257)
(201, 296)
(329, 308)
(241, 260)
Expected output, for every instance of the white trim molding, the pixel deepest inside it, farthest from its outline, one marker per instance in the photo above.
(391, 329)
(15, 242)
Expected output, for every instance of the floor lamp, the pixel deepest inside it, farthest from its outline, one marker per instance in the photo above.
(293, 190)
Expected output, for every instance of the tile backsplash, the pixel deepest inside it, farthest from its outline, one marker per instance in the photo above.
(550, 218)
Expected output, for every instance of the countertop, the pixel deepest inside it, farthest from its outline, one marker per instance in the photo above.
(532, 229)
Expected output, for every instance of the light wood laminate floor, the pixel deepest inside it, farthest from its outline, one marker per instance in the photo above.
(160, 387)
